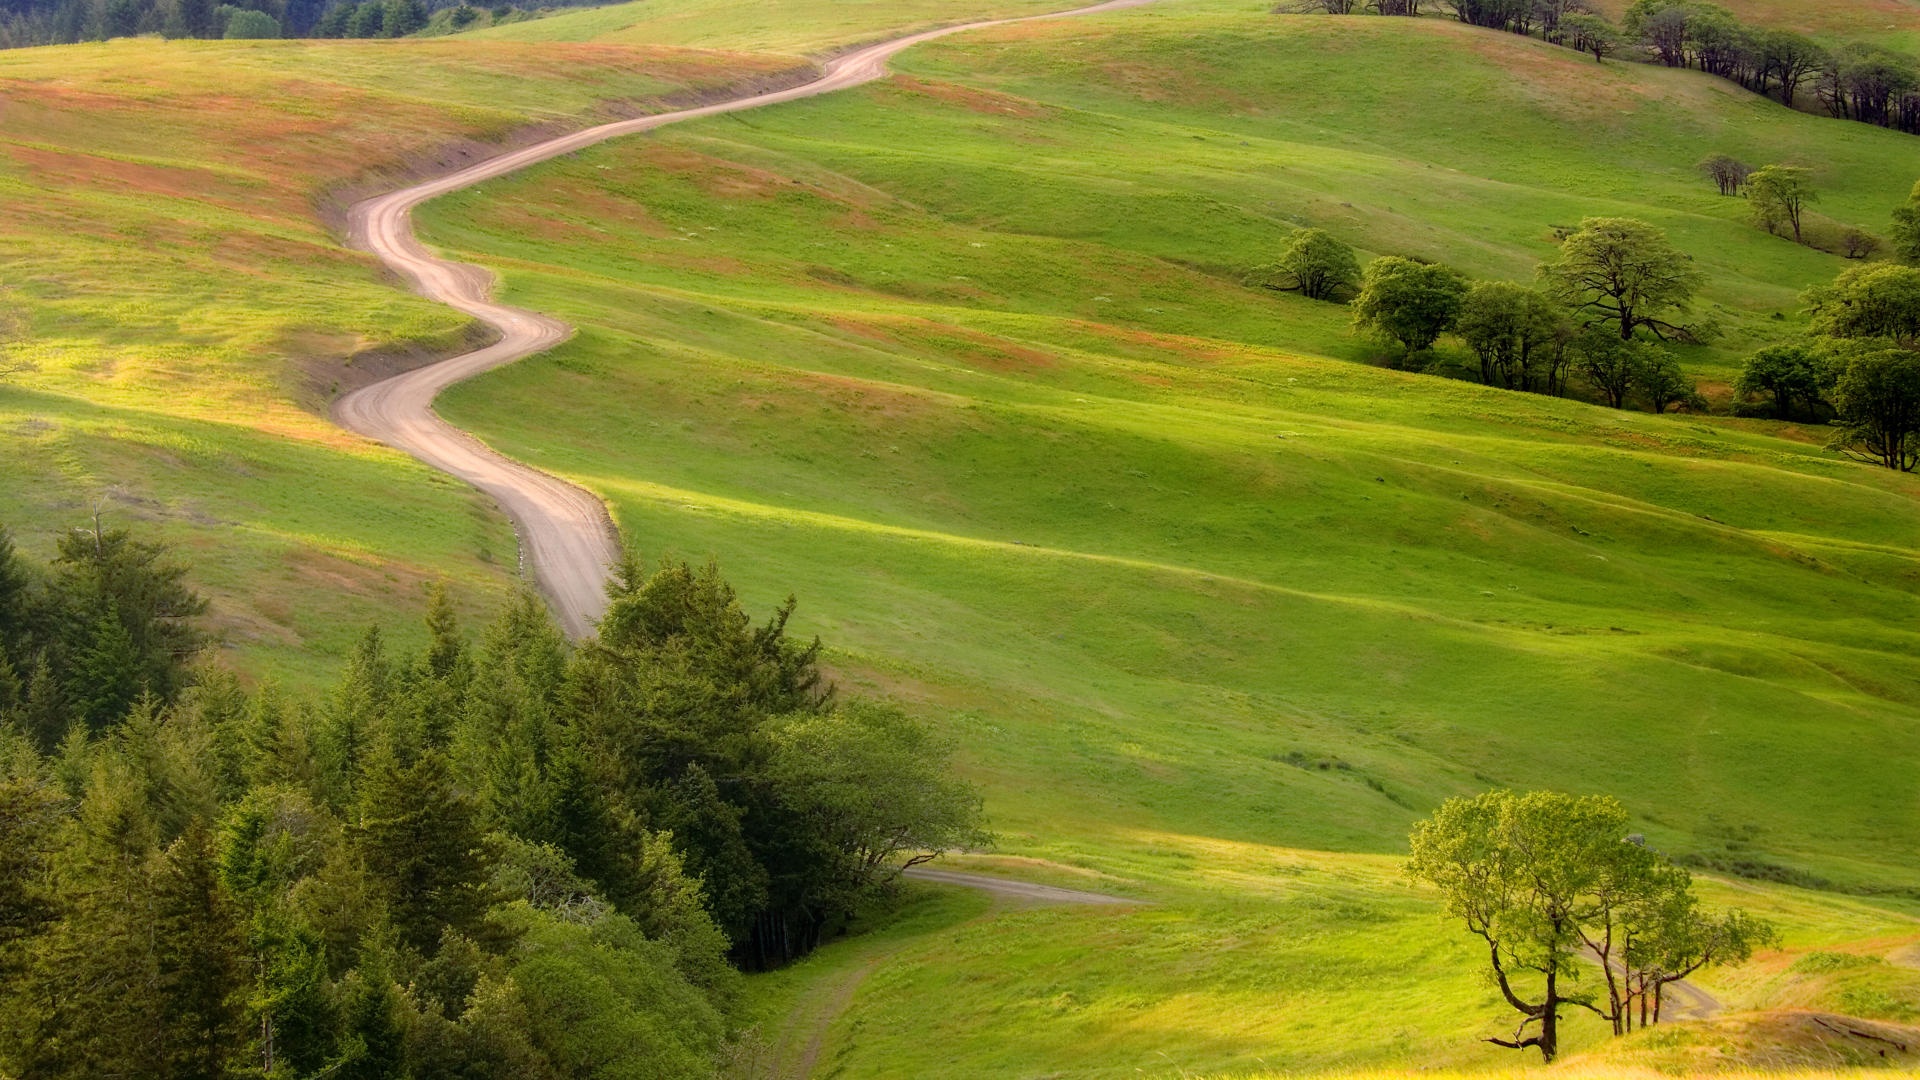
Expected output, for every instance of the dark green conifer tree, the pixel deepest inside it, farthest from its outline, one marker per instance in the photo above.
(201, 967)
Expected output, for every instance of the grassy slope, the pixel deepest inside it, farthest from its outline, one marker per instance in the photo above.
(800, 27)
(960, 358)
(1894, 24)
(160, 238)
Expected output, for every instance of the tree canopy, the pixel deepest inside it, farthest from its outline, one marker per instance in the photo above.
(510, 858)
(1626, 274)
(1561, 895)
(1315, 263)
(1408, 302)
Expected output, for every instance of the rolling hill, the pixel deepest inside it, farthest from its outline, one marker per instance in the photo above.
(1213, 604)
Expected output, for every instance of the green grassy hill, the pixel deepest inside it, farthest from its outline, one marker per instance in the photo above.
(792, 27)
(962, 358)
(1894, 24)
(1213, 607)
(167, 243)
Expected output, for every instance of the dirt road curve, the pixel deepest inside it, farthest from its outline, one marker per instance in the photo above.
(1013, 890)
(567, 541)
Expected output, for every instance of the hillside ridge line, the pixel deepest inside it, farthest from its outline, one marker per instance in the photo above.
(568, 541)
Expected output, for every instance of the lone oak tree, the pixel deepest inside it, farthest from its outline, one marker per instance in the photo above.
(1316, 264)
(1626, 274)
(1551, 881)
(1780, 195)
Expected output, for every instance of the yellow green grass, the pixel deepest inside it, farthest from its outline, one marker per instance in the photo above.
(165, 242)
(962, 358)
(793, 27)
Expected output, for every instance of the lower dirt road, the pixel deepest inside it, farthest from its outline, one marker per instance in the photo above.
(567, 541)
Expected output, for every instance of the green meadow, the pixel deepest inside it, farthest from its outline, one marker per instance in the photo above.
(963, 360)
(1213, 602)
(167, 248)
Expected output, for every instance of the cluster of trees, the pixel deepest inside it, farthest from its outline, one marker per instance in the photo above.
(42, 22)
(515, 859)
(1598, 313)
(45, 22)
(1559, 893)
(1855, 82)
(1603, 310)
(1858, 368)
(374, 19)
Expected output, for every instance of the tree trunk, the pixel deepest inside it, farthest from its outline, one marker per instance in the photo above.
(1550, 1020)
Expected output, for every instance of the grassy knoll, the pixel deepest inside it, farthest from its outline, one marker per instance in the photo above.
(1894, 24)
(794, 27)
(162, 242)
(962, 359)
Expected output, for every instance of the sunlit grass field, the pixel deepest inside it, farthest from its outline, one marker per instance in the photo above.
(1213, 608)
(788, 27)
(167, 246)
(963, 360)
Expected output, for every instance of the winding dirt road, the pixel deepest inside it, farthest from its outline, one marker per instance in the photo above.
(567, 540)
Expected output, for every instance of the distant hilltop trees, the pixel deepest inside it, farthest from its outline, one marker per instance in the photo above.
(1603, 314)
(1851, 82)
(64, 22)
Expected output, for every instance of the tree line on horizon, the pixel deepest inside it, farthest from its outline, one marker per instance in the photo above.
(26, 23)
(1855, 81)
(516, 858)
(1602, 314)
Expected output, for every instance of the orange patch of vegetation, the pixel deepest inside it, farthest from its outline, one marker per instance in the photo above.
(865, 399)
(989, 102)
(970, 347)
(714, 176)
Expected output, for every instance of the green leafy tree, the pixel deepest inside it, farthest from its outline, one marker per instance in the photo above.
(877, 787)
(1872, 316)
(1610, 365)
(1906, 229)
(1877, 396)
(1663, 383)
(249, 25)
(1408, 302)
(1780, 195)
(368, 20)
(1786, 374)
(1625, 274)
(403, 17)
(1879, 304)
(602, 1001)
(1519, 334)
(1316, 264)
(1589, 33)
(1545, 880)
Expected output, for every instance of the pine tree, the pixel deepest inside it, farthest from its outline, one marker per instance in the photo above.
(106, 674)
(372, 1019)
(108, 573)
(90, 990)
(420, 841)
(356, 716)
(43, 716)
(202, 961)
(14, 583)
(290, 1011)
(446, 649)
